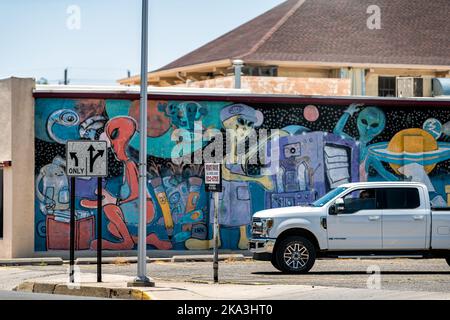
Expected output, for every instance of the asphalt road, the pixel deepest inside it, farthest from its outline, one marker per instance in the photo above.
(395, 274)
(12, 295)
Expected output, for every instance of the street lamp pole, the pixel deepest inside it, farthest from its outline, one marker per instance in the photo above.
(142, 279)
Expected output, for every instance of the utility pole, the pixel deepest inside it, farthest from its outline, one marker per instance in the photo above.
(142, 280)
(66, 79)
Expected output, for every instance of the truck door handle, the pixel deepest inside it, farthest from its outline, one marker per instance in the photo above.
(418, 217)
(374, 218)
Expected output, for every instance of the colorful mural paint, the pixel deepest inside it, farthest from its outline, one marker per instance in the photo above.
(317, 148)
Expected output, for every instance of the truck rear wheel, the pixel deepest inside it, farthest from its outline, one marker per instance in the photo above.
(295, 254)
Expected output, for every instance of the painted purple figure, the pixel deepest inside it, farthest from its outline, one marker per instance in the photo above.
(236, 209)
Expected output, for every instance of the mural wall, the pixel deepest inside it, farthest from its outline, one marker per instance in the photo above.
(317, 148)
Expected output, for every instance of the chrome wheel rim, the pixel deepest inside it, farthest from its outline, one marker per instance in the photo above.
(296, 255)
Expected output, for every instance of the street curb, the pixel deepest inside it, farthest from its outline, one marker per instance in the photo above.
(121, 260)
(31, 262)
(208, 258)
(155, 254)
(109, 260)
(174, 259)
(83, 291)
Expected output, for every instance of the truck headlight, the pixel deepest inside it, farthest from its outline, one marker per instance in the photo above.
(262, 226)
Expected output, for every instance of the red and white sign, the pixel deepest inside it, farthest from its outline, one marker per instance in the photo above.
(213, 179)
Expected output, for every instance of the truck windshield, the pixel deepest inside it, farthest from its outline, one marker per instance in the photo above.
(326, 198)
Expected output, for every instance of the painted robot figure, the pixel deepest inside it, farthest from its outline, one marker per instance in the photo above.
(236, 208)
(123, 212)
(52, 189)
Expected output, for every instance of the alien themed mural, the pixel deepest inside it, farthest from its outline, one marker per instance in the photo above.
(300, 152)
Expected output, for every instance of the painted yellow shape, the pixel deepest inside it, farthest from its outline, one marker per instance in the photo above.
(447, 191)
(165, 208)
(413, 140)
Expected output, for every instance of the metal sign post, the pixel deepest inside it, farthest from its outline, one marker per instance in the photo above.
(99, 228)
(216, 238)
(86, 159)
(213, 183)
(72, 230)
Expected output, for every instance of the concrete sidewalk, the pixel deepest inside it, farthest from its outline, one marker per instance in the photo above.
(115, 286)
(31, 262)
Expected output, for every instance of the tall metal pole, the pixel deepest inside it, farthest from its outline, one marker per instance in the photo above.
(142, 278)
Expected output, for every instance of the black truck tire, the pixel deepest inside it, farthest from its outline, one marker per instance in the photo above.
(448, 260)
(295, 254)
(274, 262)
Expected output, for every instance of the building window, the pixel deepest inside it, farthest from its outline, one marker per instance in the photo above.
(418, 87)
(1, 203)
(409, 87)
(260, 71)
(387, 87)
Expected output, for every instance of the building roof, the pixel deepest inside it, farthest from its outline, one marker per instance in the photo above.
(413, 32)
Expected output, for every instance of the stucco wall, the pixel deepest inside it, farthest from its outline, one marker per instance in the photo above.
(5, 120)
(281, 85)
(17, 134)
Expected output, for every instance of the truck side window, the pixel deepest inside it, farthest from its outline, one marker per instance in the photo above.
(401, 198)
(361, 199)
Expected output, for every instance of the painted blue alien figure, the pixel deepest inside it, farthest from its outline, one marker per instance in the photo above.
(371, 122)
(186, 116)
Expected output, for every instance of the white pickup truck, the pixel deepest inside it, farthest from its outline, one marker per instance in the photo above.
(355, 219)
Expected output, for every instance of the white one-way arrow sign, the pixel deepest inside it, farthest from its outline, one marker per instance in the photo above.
(87, 158)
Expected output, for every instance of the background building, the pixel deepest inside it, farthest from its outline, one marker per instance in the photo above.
(326, 47)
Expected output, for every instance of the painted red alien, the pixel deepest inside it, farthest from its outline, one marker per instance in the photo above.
(123, 212)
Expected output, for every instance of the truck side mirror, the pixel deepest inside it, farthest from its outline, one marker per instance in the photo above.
(339, 206)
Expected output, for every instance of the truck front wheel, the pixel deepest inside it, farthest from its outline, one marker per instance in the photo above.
(274, 262)
(295, 254)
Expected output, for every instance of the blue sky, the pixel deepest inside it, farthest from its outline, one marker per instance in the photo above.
(36, 41)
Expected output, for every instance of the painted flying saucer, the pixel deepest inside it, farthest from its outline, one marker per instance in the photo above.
(411, 146)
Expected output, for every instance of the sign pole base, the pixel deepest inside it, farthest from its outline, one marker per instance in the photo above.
(141, 282)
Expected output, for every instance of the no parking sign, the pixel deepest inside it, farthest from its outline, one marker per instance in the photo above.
(213, 177)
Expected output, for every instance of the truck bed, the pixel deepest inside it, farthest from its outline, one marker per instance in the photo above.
(440, 228)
